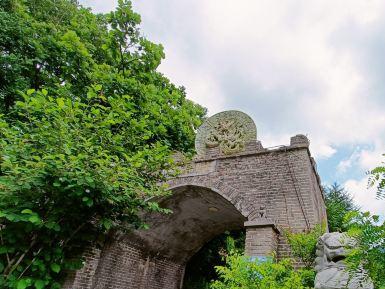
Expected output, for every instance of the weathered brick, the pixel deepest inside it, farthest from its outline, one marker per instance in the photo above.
(284, 180)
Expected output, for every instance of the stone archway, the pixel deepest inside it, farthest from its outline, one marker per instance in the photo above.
(232, 182)
(198, 214)
(156, 258)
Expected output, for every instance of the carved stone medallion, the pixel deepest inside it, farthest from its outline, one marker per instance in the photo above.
(230, 131)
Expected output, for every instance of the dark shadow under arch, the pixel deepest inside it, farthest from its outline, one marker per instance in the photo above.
(198, 215)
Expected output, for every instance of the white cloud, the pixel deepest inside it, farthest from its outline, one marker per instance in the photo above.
(296, 66)
(322, 150)
(365, 197)
(275, 59)
(348, 163)
(370, 159)
(364, 159)
(100, 6)
(281, 61)
(201, 86)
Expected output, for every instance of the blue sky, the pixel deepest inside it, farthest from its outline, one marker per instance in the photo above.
(295, 66)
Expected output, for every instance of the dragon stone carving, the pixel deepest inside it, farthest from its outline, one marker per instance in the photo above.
(331, 269)
(228, 134)
(229, 131)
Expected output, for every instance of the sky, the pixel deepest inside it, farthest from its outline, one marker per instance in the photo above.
(295, 66)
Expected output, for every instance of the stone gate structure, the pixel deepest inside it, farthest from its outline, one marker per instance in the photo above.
(233, 182)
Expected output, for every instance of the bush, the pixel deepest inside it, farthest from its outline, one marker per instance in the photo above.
(242, 273)
(303, 245)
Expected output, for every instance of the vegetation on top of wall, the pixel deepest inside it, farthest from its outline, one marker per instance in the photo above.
(87, 127)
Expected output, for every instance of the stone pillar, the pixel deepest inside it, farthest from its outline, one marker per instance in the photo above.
(261, 238)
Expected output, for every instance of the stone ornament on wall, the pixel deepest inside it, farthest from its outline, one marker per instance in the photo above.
(229, 131)
(331, 268)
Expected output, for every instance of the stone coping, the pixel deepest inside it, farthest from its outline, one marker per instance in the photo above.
(262, 222)
(250, 153)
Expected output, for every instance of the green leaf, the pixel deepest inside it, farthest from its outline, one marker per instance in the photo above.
(39, 284)
(55, 267)
(34, 219)
(60, 102)
(88, 201)
(30, 91)
(26, 211)
(53, 225)
(12, 217)
(91, 94)
(3, 249)
(107, 223)
(23, 283)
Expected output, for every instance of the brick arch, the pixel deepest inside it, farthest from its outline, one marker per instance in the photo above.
(283, 179)
(228, 192)
(190, 224)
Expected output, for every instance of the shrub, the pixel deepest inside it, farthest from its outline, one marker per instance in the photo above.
(240, 272)
(303, 245)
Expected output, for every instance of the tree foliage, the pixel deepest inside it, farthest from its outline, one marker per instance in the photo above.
(338, 203)
(242, 273)
(86, 132)
(369, 252)
(377, 178)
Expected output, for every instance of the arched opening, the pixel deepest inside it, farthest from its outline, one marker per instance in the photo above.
(199, 214)
(200, 269)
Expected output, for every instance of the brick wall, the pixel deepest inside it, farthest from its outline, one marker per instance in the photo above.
(261, 241)
(284, 180)
(82, 279)
(125, 266)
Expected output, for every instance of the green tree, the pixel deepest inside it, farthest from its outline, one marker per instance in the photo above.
(377, 178)
(338, 203)
(83, 151)
(369, 251)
